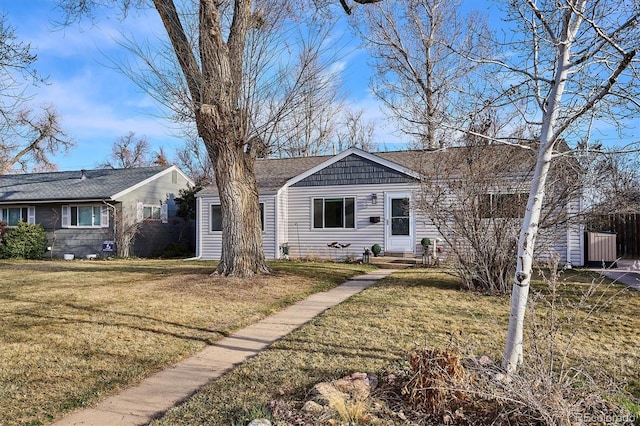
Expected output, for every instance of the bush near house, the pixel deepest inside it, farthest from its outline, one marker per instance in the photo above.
(26, 241)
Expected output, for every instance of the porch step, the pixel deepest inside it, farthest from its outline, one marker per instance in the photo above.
(392, 262)
(399, 254)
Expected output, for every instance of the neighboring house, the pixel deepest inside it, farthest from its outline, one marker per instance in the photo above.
(87, 212)
(354, 198)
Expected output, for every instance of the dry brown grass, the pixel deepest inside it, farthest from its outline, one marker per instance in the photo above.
(73, 332)
(410, 310)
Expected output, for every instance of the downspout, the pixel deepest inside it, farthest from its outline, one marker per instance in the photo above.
(115, 222)
(569, 263)
(276, 227)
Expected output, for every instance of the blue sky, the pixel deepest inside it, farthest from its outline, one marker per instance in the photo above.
(98, 104)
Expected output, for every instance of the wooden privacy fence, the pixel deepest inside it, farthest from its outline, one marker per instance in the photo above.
(627, 230)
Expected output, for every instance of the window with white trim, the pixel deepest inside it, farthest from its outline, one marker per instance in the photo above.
(12, 216)
(502, 205)
(216, 217)
(334, 212)
(158, 212)
(151, 212)
(85, 216)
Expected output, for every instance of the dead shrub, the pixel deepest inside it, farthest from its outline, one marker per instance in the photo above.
(437, 379)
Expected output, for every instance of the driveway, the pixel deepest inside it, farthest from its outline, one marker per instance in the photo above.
(627, 272)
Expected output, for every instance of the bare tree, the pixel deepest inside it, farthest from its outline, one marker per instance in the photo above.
(476, 200)
(614, 187)
(418, 77)
(28, 136)
(211, 41)
(129, 151)
(126, 230)
(193, 159)
(310, 128)
(354, 131)
(565, 63)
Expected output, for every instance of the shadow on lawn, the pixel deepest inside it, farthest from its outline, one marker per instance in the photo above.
(300, 345)
(107, 266)
(91, 311)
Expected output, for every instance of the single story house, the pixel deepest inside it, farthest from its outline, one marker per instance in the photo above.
(336, 206)
(89, 213)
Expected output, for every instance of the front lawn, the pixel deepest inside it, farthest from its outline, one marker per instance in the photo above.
(74, 332)
(415, 309)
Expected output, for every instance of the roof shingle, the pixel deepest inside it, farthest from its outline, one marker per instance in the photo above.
(56, 186)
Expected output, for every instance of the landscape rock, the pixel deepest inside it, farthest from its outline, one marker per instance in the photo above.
(484, 361)
(503, 378)
(260, 422)
(356, 387)
(312, 407)
(326, 392)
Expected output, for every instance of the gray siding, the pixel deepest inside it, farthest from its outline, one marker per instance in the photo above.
(563, 241)
(288, 216)
(305, 241)
(154, 236)
(210, 242)
(354, 170)
(152, 193)
(77, 241)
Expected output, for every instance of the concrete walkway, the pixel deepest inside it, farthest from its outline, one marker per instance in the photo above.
(153, 396)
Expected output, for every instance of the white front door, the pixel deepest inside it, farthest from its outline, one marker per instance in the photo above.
(399, 232)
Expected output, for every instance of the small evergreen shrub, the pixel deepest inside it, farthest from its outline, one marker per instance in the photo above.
(175, 251)
(26, 241)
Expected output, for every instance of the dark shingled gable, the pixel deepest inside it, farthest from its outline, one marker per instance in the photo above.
(354, 170)
(96, 185)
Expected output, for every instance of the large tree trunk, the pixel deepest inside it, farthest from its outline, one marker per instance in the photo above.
(215, 83)
(242, 251)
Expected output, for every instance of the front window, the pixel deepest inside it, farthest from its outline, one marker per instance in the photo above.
(85, 216)
(216, 217)
(334, 212)
(12, 216)
(502, 205)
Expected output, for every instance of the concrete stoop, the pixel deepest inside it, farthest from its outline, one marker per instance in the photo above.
(394, 262)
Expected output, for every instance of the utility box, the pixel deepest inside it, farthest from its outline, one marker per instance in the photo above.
(601, 249)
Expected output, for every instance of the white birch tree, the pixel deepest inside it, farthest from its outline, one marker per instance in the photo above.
(567, 62)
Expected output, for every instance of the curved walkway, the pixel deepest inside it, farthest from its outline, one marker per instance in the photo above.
(139, 404)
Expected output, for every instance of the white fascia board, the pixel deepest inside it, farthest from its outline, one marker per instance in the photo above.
(152, 178)
(61, 201)
(366, 155)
